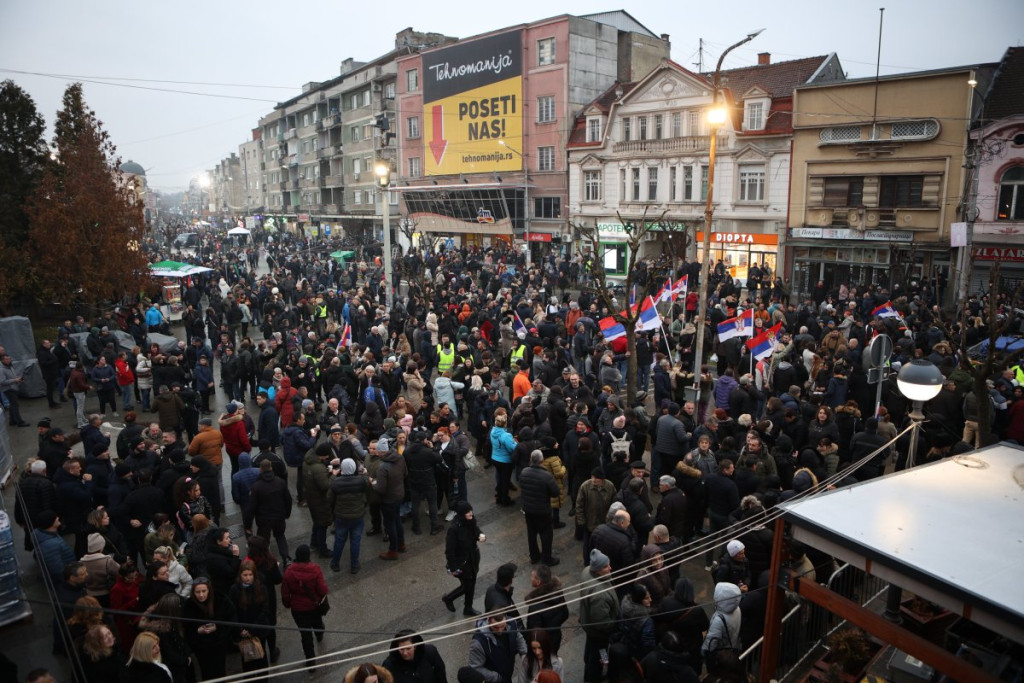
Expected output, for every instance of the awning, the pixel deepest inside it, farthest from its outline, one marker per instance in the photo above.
(238, 231)
(950, 532)
(175, 269)
(341, 256)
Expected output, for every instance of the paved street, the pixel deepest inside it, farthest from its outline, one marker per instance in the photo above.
(367, 608)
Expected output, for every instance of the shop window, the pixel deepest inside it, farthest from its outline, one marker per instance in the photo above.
(901, 191)
(1011, 195)
(614, 258)
(844, 191)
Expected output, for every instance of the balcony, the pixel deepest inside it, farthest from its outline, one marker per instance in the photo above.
(692, 143)
(325, 152)
(329, 208)
(283, 186)
(335, 181)
(308, 182)
(294, 184)
(319, 125)
(290, 134)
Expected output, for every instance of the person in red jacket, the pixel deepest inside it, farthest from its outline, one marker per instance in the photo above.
(302, 590)
(232, 428)
(284, 401)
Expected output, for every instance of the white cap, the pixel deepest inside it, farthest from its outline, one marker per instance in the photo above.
(735, 548)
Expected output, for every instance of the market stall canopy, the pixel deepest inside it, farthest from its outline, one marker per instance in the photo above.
(176, 269)
(238, 231)
(950, 532)
(341, 256)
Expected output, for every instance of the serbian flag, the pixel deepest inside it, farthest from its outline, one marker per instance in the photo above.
(740, 326)
(648, 318)
(346, 337)
(611, 329)
(666, 293)
(763, 345)
(518, 327)
(680, 287)
(886, 310)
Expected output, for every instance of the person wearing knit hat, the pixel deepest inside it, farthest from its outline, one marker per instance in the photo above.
(735, 547)
(348, 467)
(231, 408)
(599, 610)
(733, 566)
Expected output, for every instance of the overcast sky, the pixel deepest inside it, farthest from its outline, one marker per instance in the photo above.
(252, 54)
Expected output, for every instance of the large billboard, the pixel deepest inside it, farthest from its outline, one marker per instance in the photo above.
(472, 98)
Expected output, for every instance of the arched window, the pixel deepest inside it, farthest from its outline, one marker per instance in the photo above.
(1011, 195)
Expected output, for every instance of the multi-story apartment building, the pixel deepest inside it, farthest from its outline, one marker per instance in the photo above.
(994, 191)
(484, 122)
(318, 148)
(228, 188)
(251, 154)
(877, 178)
(641, 151)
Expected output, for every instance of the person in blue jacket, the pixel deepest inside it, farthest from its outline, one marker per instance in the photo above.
(502, 445)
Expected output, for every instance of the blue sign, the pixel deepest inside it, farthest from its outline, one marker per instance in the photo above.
(327, 229)
(449, 243)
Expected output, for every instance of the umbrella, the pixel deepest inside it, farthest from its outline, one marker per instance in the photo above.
(340, 256)
(175, 269)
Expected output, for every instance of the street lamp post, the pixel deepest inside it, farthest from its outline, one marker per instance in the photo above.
(526, 198)
(920, 381)
(383, 171)
(716, 117)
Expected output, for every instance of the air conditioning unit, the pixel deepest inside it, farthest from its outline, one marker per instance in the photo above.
(819, 217)
(871, 218)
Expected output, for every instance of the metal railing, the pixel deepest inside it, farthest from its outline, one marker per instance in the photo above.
(805, 626)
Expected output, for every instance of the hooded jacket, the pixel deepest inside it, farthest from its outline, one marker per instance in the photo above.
(283, 402)
(347, 497)
(243, 479)
(303, 586)
(724, 631)
(318, 484)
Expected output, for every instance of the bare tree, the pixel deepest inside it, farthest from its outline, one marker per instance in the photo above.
(636, 231)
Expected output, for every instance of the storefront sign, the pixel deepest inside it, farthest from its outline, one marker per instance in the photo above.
(538, 237)
(847, 234)
(1015, 254)
(304, 217)
(719, 239)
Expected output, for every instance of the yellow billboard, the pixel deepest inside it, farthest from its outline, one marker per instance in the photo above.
(472, 98)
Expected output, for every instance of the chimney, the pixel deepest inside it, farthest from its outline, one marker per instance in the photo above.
(665, 37)
(764, 58)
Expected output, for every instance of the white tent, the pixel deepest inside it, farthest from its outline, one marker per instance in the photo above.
(238, 231)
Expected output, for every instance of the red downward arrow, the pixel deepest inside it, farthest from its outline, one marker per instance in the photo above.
(438, 145)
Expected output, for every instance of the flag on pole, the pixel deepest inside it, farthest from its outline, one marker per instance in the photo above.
(518, 327)
(886, 310)
(666, 293)
(740, 326)
(346, 337)
(611, 329)
(763, 345)
(680, 287)
(648, 318)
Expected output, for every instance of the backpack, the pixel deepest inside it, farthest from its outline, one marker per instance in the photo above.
(620, 445)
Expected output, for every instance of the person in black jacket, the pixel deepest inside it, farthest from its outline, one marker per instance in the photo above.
(221, 560)
(538, 488)
(547, 609)
(207, 476)
(422, 460)
(671, 442)
(36, 493)
(270, 505)
(723, 497)
(463, 557)
(672, 508)
(412, 661)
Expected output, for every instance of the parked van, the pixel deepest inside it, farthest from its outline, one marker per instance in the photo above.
(186, 240)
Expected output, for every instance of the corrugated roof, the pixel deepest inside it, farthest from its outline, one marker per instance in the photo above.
(1006, 94)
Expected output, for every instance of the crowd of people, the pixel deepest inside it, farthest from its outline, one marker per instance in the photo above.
(360, 414)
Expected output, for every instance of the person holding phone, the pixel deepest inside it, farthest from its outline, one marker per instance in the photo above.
(208, 639)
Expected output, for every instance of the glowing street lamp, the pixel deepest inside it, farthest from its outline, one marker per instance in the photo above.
(383, 171)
